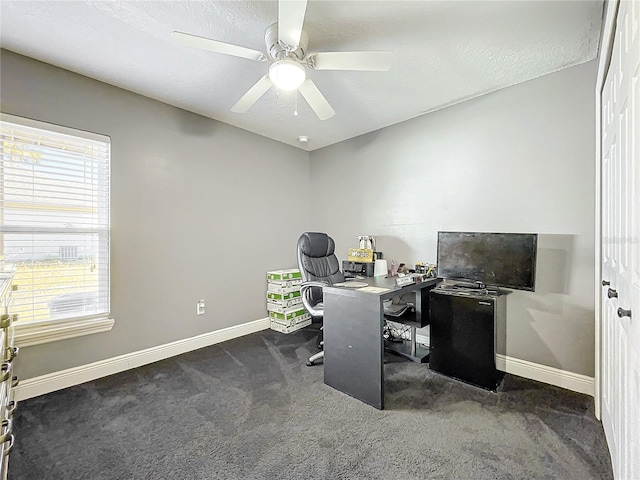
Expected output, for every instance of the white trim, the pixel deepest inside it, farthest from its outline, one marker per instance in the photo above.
(61, 129)
(606, 46)
(51, 382)
(35, 333)
(543, 373)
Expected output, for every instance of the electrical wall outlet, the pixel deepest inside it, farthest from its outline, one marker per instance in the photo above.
(200, 308)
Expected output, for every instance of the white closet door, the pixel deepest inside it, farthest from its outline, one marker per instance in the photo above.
(620, 250)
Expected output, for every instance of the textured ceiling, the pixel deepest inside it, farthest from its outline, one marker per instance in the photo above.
(444, 52)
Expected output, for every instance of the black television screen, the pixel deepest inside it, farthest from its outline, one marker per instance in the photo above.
(497, 259)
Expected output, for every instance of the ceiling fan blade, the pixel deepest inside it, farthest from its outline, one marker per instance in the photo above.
(290, 21)
(369, 61)
(316, 100)
(252, 95)
(203, 43)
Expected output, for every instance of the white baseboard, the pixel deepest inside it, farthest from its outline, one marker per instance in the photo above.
(542, 373)
(51, 382)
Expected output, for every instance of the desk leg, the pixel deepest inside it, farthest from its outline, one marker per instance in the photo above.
(353, 346)
(413, 341)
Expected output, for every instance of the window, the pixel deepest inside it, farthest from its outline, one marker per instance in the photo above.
(54, 226)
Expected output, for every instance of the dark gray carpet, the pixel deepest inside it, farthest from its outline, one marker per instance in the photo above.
(251, 409)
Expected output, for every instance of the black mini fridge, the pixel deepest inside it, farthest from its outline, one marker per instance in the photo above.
(463, 336)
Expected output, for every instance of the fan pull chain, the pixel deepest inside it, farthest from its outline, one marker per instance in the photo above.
(295, 110)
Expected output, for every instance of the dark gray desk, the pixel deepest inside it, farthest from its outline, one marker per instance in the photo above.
(353, 343)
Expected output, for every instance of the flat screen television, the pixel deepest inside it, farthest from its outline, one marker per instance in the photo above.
(491, 259)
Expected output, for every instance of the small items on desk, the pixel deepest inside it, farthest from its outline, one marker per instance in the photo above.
(427, 268)
(380, 268)
(366, 241)
(397, 269)
(411, 278)
(351, 269)
(364, 260)
(351, 276)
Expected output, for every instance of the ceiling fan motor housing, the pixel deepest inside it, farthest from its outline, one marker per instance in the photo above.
(276, 51)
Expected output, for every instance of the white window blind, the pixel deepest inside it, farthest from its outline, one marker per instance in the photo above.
(54, 220)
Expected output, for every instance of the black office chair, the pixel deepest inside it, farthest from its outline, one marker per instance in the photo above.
(319, 266)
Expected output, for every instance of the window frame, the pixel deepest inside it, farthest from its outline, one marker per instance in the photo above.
(37, 332)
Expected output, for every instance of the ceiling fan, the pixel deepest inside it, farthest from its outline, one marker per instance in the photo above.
(286, 44)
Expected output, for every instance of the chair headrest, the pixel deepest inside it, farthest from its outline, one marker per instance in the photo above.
(316, 245)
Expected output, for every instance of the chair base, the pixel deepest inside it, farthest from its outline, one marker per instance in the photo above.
(313, 358)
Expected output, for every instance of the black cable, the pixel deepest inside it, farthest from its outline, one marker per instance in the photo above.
(396, 333)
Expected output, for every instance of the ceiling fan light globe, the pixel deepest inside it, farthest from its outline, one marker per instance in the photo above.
(287, 75)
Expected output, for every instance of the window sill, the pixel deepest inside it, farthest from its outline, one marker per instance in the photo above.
(36, 333)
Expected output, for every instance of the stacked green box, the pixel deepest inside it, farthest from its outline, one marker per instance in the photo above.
(284, 303)
(284, 275)
(282, 328)
(287, 286)
(280, 301)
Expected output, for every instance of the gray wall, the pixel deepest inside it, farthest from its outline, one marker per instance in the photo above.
(193, 212)
(517, 160)
(193, 216)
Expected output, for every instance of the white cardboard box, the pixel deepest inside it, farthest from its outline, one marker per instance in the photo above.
(290, 314)
(282, 328)
(283, 297)
(280, 305)
(292, 321)
(284, 287)
(284, 275)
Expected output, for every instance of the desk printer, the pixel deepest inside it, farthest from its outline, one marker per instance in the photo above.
(352, 269)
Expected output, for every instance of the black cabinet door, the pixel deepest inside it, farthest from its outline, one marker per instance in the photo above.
(462, 338)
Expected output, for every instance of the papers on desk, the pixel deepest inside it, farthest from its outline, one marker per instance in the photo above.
(373, 289)
(350, 284)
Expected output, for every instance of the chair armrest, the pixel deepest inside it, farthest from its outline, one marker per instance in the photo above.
(313, 283)
(316, 310)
